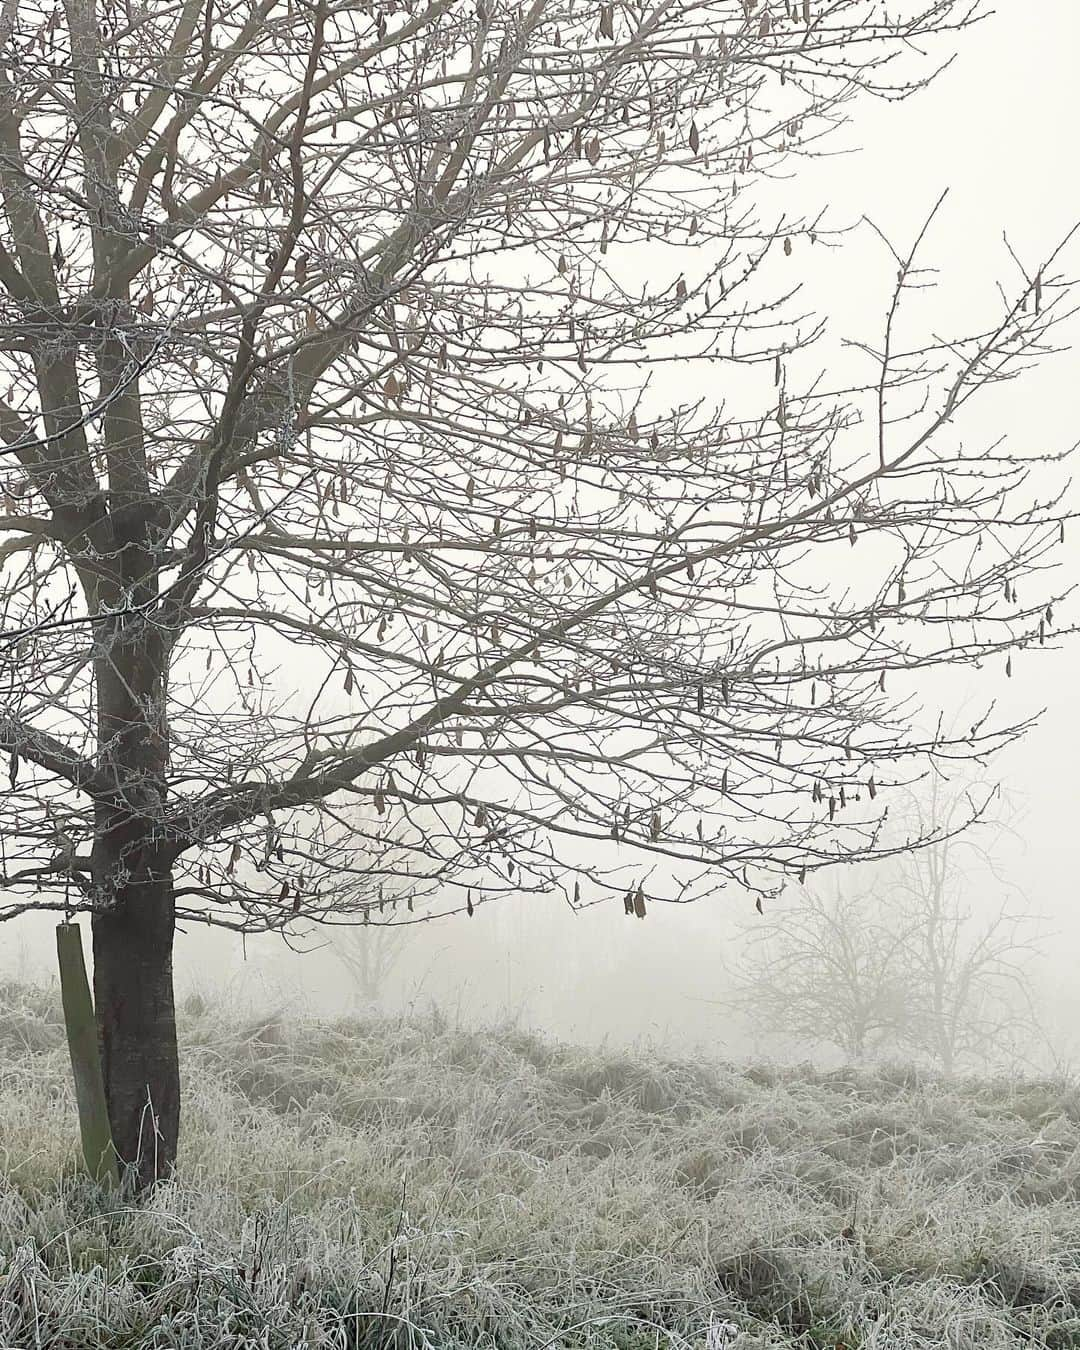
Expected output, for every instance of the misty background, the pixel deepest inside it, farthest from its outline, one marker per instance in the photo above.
(997, 130)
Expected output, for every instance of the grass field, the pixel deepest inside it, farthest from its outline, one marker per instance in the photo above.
(405, 1183)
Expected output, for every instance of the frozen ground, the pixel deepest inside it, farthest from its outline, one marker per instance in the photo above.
(412, 1183)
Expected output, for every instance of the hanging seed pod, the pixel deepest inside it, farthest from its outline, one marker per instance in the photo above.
(701, 698)
(654, 827)
(379, 799)
(787, 247)
(758, 905)
(871, 787)
(577, 892)
(639, 903)
(1008, 666)
(695, 140)
(469, 904)
(628, 902)
(724, 782)
(13, 768)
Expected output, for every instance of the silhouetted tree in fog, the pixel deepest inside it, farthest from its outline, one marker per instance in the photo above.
(966, 966)
(369, 953)
(404, 405)
(895, 961)
(826, 971)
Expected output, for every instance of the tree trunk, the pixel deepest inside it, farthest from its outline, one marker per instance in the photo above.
(133, 994)
(134, 923)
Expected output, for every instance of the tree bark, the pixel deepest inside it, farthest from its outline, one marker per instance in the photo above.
(135, 917)
(133, 996)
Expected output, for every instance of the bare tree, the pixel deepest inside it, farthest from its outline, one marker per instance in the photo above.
(369, 953)
(356, 448)
(898, 963)
(968, 973)
(829, 970)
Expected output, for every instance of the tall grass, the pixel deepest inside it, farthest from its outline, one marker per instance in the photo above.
(413, 1183)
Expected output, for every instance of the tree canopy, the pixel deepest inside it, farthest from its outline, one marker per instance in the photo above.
(415, 473)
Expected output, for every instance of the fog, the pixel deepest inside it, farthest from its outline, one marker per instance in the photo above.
(998, 131)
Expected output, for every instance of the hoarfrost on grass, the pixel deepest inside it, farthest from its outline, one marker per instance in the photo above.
(413, 1183)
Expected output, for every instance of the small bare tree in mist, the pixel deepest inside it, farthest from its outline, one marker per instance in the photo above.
(369, 954)
(404, 404)
(897, 962)
(828, 971)
(968, 971)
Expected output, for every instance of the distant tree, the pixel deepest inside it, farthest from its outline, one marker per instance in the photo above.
(394, 410)
(826, 971)
(896, 961)
(967, 972)
(369, 953)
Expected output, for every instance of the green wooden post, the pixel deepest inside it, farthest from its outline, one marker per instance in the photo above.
(82, 1038)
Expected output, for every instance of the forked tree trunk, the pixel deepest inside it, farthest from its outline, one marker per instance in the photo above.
(133, 996)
